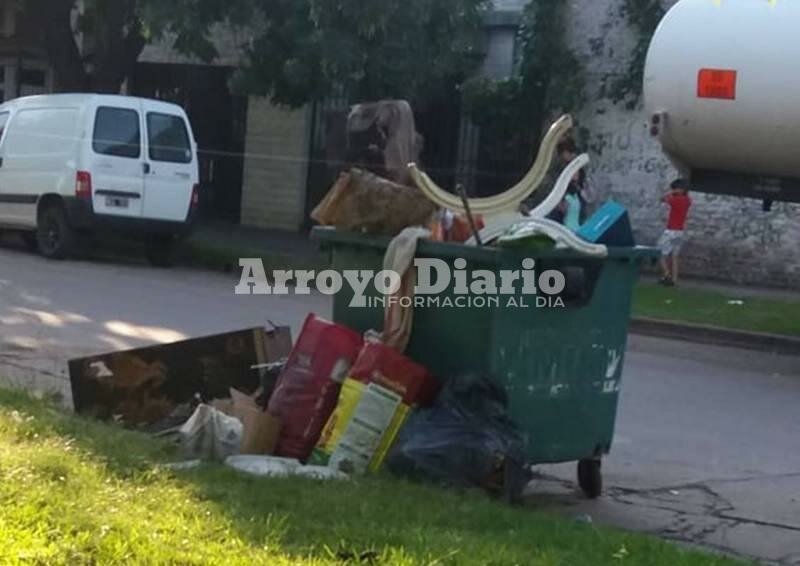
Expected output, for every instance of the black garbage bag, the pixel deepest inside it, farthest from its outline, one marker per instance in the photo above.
(465, 440)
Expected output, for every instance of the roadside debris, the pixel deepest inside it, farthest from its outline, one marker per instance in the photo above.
(308, 386)
(272, 467)
(361, 201)
(263, 465)
(260, 430)
(210, 435)
(145, 385)
(466, 439)
(399, 258)
(376, 399)
(342, 402)
(182, 466)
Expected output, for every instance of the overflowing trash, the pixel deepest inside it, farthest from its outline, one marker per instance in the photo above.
(210, 434)
(382, 137)
(466, 439)
(143, 386)
(376, 399)
(267, 466)
(308, 386)
(260, 429)
(361, 201)
(382, 190)
(183, 466)
(273, 467)
(341, 402)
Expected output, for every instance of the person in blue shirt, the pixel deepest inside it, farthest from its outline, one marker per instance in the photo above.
(572, 214)
(567, 152)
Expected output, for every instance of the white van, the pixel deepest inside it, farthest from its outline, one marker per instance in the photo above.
(76, 163)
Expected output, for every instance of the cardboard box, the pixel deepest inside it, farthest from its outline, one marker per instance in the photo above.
(260, 430)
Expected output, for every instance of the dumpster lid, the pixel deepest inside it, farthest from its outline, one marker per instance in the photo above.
(328, 236)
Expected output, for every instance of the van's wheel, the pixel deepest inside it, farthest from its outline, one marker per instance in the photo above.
(55, 239)
(160, 251)
(590, 478)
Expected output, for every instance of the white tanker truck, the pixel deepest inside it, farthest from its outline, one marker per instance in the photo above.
(722, 90)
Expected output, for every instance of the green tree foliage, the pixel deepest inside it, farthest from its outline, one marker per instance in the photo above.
(371, 49)
(643, 17)
(548, 77)
(548, 80)
(95, 47)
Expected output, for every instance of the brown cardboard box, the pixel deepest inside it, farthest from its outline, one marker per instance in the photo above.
(260, 429)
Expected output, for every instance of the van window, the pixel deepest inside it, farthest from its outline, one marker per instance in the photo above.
(42, 132)
(116, 132)
(168, 138)
(3, 122)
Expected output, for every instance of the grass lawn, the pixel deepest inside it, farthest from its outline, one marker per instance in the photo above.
(717, 309)
(78, 492)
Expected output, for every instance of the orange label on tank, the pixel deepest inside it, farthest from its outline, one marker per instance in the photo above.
(716, 83)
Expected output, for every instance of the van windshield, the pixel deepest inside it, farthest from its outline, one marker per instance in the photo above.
(168, 138)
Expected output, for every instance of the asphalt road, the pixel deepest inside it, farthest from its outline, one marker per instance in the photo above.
(707, 439)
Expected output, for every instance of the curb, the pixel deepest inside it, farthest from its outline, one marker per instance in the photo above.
(203, 256)
(716, 336)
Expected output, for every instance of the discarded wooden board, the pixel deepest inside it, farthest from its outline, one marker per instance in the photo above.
(144, 385)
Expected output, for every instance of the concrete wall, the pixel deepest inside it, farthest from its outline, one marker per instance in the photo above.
(730, 238)
(275, 167)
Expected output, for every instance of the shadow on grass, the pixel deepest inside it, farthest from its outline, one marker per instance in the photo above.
(367, 520)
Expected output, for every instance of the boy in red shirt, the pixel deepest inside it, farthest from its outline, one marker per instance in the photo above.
(672, 239)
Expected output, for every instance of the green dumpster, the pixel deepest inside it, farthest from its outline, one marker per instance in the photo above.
(561, 364)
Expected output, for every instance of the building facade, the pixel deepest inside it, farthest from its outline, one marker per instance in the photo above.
(23, 66)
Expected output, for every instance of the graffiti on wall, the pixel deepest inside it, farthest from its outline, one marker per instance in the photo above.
(765, 229)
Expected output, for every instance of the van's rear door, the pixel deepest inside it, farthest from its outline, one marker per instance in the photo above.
(115, 159)
(172, 171)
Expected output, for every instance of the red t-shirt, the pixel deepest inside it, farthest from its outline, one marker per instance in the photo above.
(678, 210)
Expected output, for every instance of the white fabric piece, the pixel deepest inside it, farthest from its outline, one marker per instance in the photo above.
(269, 466)
(210, 434)
(497, 225)
(274, 467)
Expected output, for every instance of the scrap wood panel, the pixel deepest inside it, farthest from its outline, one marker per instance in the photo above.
(145, 385)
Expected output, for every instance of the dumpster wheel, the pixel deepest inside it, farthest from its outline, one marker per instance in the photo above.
(590, 478)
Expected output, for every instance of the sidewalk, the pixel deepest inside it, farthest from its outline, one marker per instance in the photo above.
(267, 242)
(270, 242)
